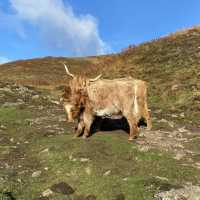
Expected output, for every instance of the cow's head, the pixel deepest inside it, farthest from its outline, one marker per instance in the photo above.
(71, 111)
(78, 88)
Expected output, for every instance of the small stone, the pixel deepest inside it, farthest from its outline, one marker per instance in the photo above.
(174, 116)
(174, 87)
(179, 156)
(84, 159)
(144, 148)
(46, 168)
(3, 127)
(182, 130)
(182, 115)
(171, 124)
(35, 97)
(36, 174)
(88, 170)
(107, 173)
(12, 139)
(45, 150)
(162, 178)
(55, 102)
(47, 193)
(163, 121)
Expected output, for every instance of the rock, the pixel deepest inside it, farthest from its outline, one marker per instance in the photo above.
(5, 89)
(45, 150)
(182, 115)
(36, 174)
(55, 102)
(171, 124)
(163, 120)
(144, 148)
(174, 116)
(63, 188)
(107, 173)
(174, 87)
(35, 97)
(162, 178)
(179, 156)
(88, 170)
(84, 159)
(47, 193)
(182, 130)
(186, 193)
(2, 127)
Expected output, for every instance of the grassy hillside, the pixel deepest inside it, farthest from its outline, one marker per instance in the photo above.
(170, 65)
(40, 159)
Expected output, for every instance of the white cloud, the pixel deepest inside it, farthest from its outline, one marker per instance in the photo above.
(3, 60)
(59, 27)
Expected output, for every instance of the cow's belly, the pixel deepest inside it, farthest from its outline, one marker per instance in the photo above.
(107, 112)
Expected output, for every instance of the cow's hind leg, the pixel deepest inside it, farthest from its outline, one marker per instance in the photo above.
(147, 117)
(133, 128)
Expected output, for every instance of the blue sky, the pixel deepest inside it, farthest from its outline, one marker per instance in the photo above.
(37, 28)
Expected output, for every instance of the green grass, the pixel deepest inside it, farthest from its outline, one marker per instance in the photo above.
(105, 153)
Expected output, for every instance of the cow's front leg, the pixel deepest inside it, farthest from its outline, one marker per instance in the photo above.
(88, 120)
(133, 128)
(79, 128)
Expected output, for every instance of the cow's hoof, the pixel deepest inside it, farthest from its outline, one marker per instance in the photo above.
(84, 137)
(132, 138)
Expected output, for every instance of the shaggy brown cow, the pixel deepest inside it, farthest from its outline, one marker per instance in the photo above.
(101, 97)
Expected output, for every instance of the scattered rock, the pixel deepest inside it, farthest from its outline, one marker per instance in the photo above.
(144, 148)
(47, 193)
(88, 170)
(63, 188)
(182, 130)
(163, 120)
(45, 150)
(179, 156)
(174, 87)
(35, 97)
(107, 173)
(162, 178)
(186, 193)
(2, 127)
(174, 115)
(36, 174)
(182, 115)
(84, 159)
(55, 102)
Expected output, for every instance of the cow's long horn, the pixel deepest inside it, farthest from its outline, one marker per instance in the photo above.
(67, 70)
(95, 79)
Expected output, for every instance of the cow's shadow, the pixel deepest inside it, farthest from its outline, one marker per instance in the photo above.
(108, 124)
